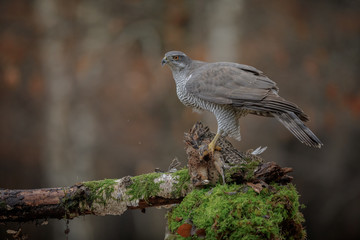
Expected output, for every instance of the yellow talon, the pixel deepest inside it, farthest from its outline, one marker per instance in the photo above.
(212, 146)
(208, 151)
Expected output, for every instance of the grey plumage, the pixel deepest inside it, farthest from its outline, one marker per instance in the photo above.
(232, 90)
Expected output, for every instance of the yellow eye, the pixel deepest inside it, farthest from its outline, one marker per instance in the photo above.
(175, 58)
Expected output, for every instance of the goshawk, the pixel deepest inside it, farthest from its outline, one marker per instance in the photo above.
(230, 91)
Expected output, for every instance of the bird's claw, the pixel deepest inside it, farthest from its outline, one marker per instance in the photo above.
(209, 150)
(212, 147)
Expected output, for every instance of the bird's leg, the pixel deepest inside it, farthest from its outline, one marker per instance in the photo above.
(212, 145)
(208, 150)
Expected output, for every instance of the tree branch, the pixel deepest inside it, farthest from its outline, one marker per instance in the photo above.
(106, 197)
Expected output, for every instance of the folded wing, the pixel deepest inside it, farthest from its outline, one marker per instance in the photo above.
(241, 86)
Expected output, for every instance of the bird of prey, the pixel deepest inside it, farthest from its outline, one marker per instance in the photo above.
(230, 91)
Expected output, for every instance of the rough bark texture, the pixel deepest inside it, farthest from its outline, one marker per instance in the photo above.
(26, 205)
(106, 197)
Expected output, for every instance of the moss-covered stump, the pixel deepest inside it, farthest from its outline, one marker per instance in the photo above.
(238, 212)
(257, 202)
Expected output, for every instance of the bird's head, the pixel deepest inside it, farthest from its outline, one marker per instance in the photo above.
(176, 60)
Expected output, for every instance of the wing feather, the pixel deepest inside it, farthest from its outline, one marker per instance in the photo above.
(238, 85)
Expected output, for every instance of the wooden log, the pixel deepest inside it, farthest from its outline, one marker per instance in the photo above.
(105, 197)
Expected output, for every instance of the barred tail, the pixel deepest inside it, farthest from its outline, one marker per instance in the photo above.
(292, 122)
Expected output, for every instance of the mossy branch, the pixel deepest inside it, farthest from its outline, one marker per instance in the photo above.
(105, 197)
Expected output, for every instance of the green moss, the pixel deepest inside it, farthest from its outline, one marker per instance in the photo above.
(71, 204)
(246, 170)
(100, 190)
(231, 172)
(229, 212)
(97, 192)
(184, 182)
(144, 186)
(249, 169)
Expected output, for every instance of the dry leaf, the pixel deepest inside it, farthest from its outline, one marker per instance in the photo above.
(257, 187)
(184, 230)
(201, 232)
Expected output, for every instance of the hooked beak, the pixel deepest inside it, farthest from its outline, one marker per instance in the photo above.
(164, 61)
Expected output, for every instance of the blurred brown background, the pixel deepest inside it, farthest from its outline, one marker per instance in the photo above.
(83, 97)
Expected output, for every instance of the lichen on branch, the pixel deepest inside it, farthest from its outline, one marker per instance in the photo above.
(103, 197)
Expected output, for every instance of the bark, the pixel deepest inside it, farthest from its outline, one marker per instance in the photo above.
(94, 198)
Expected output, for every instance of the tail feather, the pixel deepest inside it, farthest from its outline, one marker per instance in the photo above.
(292, 122)
(274, 105)
(293, 126)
